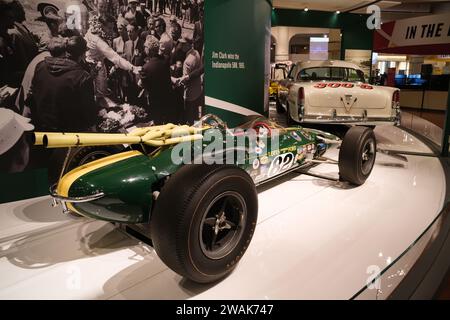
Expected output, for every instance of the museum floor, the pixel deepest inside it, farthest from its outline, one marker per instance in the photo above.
(434, 116)
(315, 239)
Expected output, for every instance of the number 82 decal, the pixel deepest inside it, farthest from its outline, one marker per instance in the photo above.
(281, 163)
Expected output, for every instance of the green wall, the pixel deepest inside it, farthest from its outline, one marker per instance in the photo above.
(23, 185)
(243, 28)
(355, 34)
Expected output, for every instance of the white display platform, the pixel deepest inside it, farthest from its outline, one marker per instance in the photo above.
(315, 239)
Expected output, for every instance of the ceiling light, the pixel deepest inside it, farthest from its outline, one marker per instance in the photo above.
(306, 9)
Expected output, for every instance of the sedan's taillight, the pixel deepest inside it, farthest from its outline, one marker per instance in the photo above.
(301, 97)
(396, 107)
(301, 103)
(396, 98)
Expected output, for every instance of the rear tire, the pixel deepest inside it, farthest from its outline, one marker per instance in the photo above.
(279, 106)
(189, 232)
(81, 156)
(77, 157)
(289, 120)
(357, 155)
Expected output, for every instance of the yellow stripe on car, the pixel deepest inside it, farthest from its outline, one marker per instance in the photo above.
(68, 179)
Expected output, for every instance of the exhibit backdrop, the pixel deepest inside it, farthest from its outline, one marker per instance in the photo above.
(237, 58)
(355, 34)
(211, 52)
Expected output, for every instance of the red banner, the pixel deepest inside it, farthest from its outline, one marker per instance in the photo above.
(422, 35)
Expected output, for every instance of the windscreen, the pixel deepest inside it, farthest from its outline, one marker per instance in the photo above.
(331, 74)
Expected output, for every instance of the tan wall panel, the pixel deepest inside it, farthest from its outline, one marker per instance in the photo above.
(436, 100)
(410, 99)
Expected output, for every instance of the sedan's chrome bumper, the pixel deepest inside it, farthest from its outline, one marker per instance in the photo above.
(350, 120)
(58, 199)
(362, 119)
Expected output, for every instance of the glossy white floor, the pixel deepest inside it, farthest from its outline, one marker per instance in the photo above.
(314, 239)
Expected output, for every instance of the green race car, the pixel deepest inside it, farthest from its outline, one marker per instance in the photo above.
(196, 186)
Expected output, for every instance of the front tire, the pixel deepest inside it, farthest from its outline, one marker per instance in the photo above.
(357, 155)
(203, 220)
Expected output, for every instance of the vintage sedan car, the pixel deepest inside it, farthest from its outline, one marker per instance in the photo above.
(279, 71)
(336, 92)
(201, 213)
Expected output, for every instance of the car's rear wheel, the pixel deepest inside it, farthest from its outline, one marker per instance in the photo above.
(289, 120)
(357, 155)
(81, 156)
(203, 220)
(279, 106)
(77, 157)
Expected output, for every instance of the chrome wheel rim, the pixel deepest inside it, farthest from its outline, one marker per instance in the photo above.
(368, 157)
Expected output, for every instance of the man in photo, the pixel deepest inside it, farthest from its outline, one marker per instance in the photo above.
(155, 79)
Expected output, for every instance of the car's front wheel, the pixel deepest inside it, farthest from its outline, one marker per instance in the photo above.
(357, 155)
(203, 220)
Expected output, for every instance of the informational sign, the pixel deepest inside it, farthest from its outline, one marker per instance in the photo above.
(318, 48)
(224, 60)
(432, 29)
(421, 35)
(237, 69)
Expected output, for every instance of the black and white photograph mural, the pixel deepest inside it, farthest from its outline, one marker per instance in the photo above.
(95, 66)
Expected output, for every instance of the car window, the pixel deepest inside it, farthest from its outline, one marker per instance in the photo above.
(355, 75)
(279, 74)
(338, 74)
(314, 74)
(293, 72)
(331, 74)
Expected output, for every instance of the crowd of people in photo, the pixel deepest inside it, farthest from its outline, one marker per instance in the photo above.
(132, 52)
(143, 53)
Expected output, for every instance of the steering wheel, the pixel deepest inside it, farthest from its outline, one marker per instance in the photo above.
(211, 120)
(257, 126)
(214, 122)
